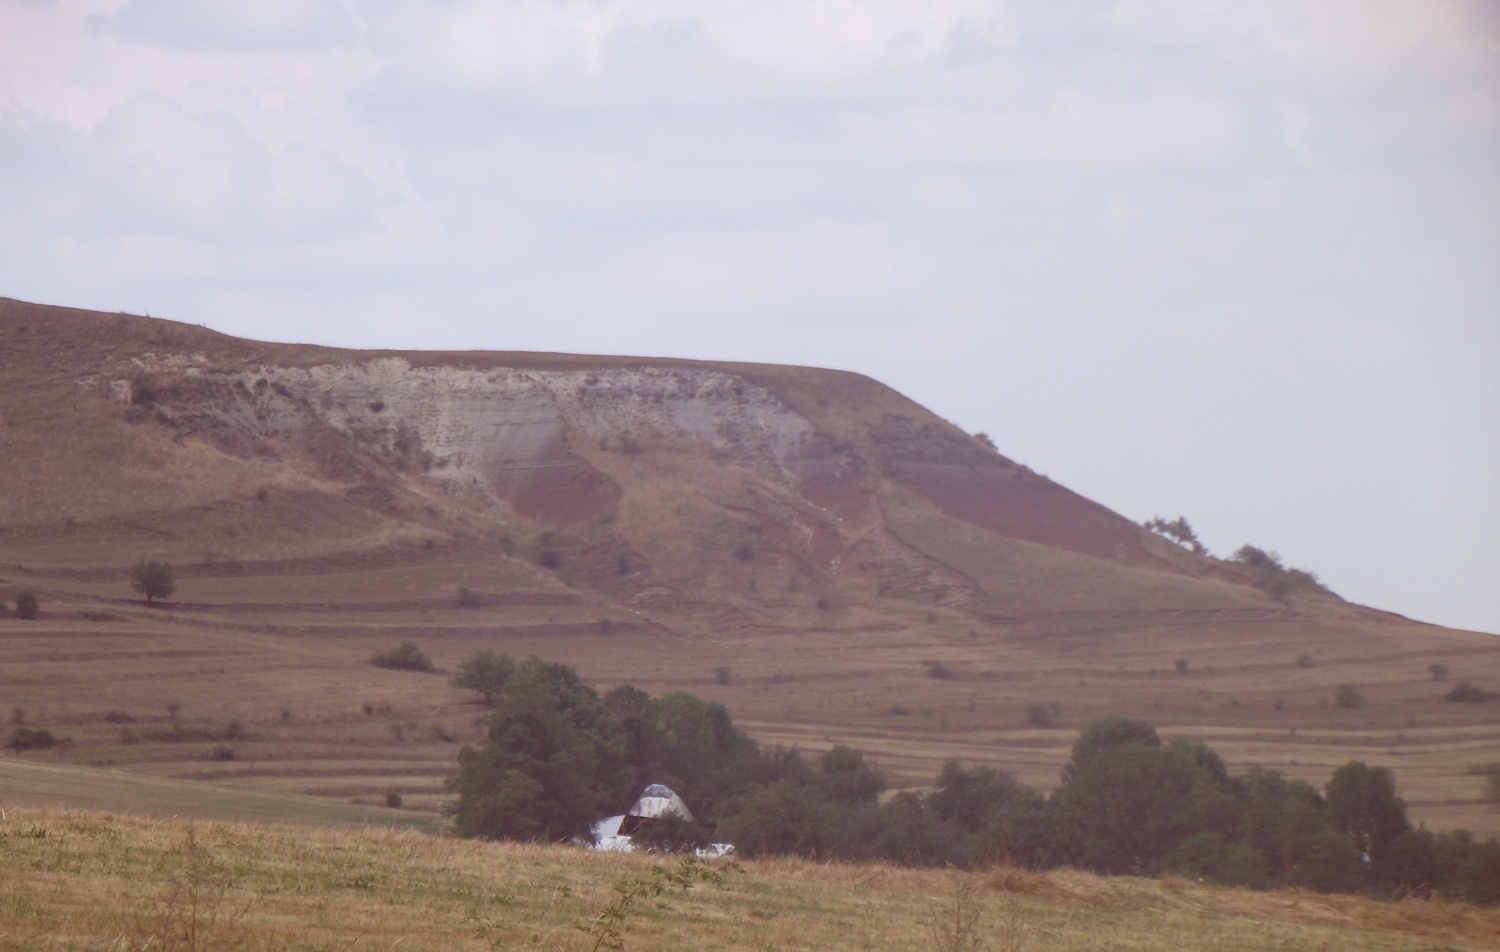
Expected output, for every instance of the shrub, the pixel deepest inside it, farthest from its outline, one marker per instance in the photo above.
(1181, 664)
(26, 604)
(26, 738)
(549, 559)
(117, 717)
(153, 580)
(221, 752)
(1348, 696)
(721, 675)
(1041, 714)
(485, 673)
(1467, 692)
(392, 798)
(1304, 660)
(937, 669)
(466, 598)
(1439, 672)
(1274, 578)
(1178, 531)
(404, 657)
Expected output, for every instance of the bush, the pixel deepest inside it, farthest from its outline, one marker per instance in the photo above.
(404, 657)
(1348, 696)
(484, 672)
(153, 580)
(1467, 692)
(221, 752)
(26, 605)
(1181, 664)
(392, 798)
(939, 670)
(1439, 672)
(466, 598)
(721, 675)
(1041, 714)
(26, 738)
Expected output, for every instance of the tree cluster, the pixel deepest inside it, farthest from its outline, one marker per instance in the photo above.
(1272, 576)
(559, 756)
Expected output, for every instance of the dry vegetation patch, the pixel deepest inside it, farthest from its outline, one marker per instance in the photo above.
(96, 880)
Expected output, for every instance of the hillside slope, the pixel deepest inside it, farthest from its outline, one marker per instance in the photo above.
(831, 560)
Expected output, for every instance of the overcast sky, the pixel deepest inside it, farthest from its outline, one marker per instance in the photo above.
(1237, 260)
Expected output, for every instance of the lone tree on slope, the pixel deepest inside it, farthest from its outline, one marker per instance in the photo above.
(153, 580)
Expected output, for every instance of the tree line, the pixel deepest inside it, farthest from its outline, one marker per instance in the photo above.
(558, 757)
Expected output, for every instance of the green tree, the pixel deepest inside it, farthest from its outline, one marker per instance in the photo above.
(1363, 804)
(26, 604)
(1105, 733)
(153, 579)
(484, 672)
(554, 762)
(1128, 806)
(845, 778)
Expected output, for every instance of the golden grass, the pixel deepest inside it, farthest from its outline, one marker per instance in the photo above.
(101, 881)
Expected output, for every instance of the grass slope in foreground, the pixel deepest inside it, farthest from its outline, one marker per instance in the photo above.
(96, 881)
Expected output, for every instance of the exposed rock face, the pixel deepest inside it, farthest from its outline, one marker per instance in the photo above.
(506, 431)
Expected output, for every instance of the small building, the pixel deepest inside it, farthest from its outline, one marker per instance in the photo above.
(657, 800)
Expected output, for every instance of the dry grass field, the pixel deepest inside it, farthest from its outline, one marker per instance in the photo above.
(93, 880)
(881, 586)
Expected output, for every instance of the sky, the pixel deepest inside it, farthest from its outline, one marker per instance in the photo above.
(1234, 260)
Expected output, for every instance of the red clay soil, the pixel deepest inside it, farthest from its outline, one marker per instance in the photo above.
(1022, 505)
(553, 485)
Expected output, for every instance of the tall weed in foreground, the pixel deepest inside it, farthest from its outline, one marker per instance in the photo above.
(961, 925)
(609, 926)
(194, 910)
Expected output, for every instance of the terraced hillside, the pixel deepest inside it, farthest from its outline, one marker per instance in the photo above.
(832, 561)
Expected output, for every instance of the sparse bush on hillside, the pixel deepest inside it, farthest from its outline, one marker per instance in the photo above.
(938, 670)
(404, 657)
(721, 676)
(466, 598)
(549, 559)
(27, 738)
(1041, 714)
(484, 672)
(1304, 660)
(1181, 664)
(1439, 672)
(985, 438)
(1348, 696)
(153, 579)
(26, 604)
(1274, 578)
(1178, 531)
(1467, 692)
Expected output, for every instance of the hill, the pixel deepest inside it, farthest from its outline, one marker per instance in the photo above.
(832, 561)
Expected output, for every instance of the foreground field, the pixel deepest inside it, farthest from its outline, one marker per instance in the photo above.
(73, 880)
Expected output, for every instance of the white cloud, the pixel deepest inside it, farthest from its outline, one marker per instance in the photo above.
(241, 24)
(1256, 230)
